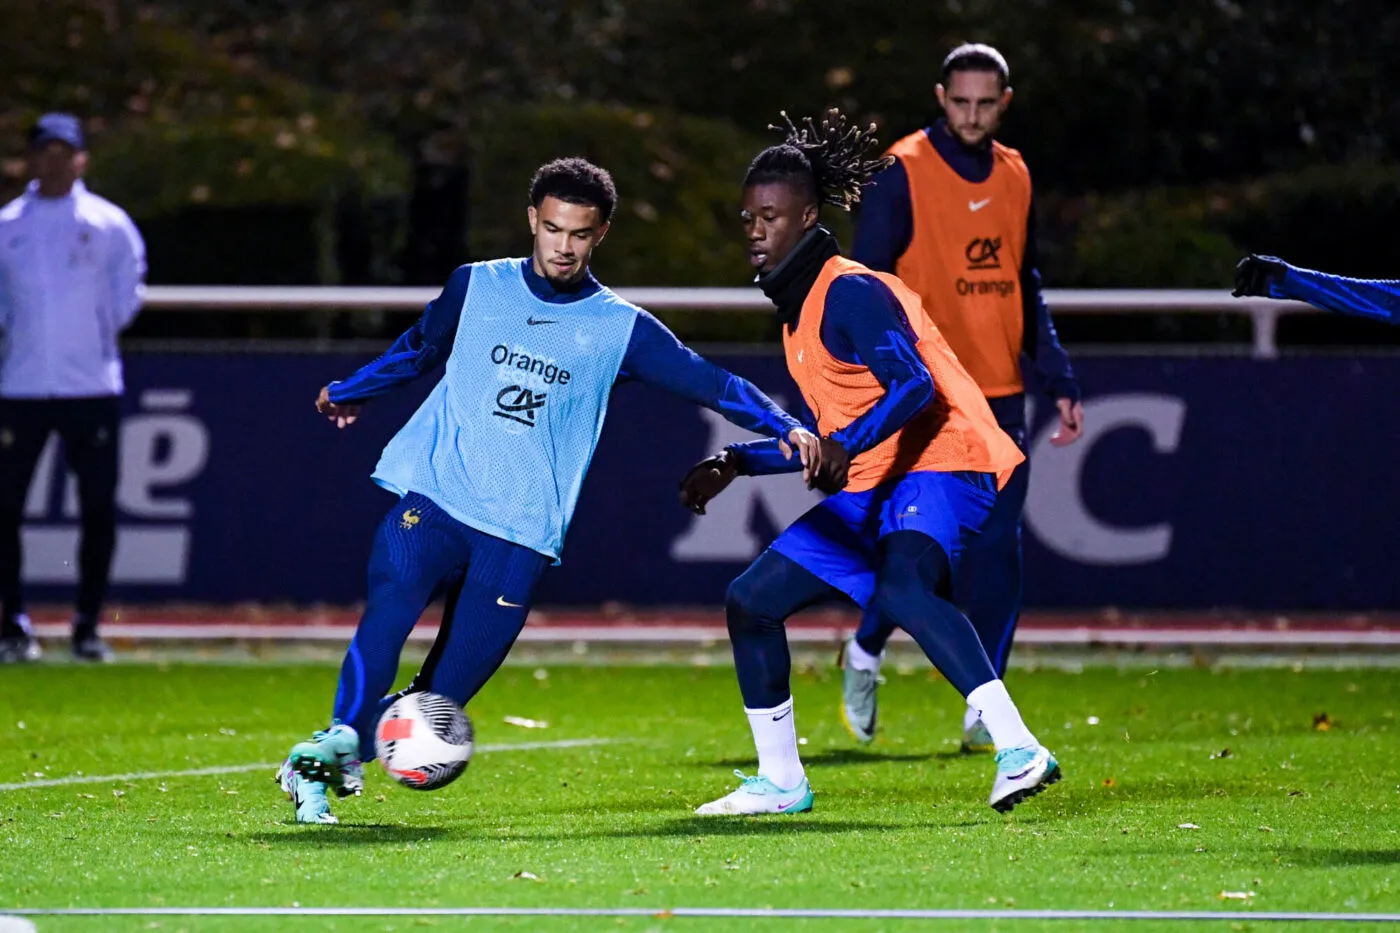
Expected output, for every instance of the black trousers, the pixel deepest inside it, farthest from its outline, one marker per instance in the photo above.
(89, 428)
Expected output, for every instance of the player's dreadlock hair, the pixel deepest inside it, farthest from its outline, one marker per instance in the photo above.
(829, 163)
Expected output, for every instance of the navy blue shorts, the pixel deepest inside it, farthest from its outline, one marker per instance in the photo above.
(838, 540)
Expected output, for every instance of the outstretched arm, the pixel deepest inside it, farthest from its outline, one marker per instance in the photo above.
(418, 349)
(1377, 299)
(655, 357)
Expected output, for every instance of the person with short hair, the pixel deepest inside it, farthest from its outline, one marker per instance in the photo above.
(490, 466)
(954, 218)
(72, 278)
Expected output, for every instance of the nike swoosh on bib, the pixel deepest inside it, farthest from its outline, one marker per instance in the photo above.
(978, 205)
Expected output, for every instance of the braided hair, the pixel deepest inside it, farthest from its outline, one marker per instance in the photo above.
(829, 163)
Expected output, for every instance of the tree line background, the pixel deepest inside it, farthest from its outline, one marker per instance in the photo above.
(386, 141)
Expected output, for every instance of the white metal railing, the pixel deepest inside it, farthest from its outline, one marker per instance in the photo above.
(1263, 312)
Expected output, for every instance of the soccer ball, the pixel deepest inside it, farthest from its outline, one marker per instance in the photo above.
(424, 741)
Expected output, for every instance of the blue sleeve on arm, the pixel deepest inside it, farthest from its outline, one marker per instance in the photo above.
(765, 457)
(1377, 299)
(863, 323)
(424, 345)
(866, 313)
(1041, 344)
(654, 356)
(886, 220)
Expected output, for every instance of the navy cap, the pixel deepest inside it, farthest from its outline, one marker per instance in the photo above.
(57, 127)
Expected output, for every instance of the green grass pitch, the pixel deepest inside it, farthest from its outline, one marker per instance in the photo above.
(1293, 816)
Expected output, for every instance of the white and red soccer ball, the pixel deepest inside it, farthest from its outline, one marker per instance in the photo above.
(424, 741)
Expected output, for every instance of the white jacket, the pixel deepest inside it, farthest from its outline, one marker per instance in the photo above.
(72, 277)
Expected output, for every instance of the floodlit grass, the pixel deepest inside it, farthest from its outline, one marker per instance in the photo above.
(1188, 783)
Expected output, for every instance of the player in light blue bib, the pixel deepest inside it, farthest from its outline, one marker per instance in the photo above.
(490, 466)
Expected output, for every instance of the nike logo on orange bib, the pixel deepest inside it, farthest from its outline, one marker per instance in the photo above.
(978, 205)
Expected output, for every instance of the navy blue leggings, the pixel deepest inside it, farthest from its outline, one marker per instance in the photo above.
(418, 552)
(913, 570)
(987, 581)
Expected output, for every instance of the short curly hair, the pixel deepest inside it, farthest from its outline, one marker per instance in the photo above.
(576, 181)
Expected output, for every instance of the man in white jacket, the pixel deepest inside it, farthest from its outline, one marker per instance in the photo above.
(72, 277)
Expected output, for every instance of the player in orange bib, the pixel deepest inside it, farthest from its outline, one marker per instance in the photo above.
(909, 436)
(953, 217)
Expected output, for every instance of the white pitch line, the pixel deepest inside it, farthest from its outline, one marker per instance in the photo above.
(731, 912)
(706, 635)
(239, 769)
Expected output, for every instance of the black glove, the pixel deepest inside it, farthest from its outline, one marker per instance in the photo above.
(1255, 273)
(707, 479)
(836, 463)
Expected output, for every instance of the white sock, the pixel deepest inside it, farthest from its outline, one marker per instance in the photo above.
(1003, 721)
(862, 660)
(970, 718)
(775, 737)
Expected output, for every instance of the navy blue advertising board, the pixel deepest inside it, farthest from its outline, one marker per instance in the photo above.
(1201, 482)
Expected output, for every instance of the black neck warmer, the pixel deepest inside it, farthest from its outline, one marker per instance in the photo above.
(788, 284)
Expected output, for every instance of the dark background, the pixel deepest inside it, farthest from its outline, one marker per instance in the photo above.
(372, 141)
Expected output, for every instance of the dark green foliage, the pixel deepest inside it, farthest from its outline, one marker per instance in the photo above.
(678, 179)
(243, 102)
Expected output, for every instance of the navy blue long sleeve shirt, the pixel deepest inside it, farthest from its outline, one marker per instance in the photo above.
(654, 356)
(863, 324)
(887, 228)
(1377, 299)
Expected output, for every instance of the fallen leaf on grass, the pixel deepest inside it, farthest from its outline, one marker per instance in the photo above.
(1266, 829)
(1187, 826)
(1322, 722)
(1223, 753)
(1109, 782)
(1236, 895)
(524, 723)
(526, 876)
